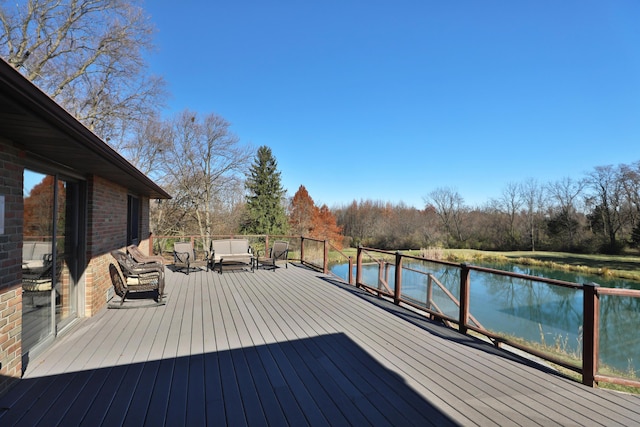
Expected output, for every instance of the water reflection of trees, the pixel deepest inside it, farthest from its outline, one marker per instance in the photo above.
(38, 208)
(619, 335)
(553, 307)
(506, 305)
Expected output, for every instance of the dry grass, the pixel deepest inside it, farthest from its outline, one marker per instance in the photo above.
(618, 266)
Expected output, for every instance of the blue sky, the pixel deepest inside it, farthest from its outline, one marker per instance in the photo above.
(389, 100)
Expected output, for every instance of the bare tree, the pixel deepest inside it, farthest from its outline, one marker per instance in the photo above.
(566, 192)
(630, 177)
(449, 206)
(607, 184)
(533, 197)
(147, 144)
(202, 165)
(510, 203)
(88, 55)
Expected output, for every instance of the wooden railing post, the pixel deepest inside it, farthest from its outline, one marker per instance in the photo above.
(350, 276)
(150, 243)
(325, 263)
(359, 266)
(591, 333)
(266, 245)
(397, 290)
(301, 249)
(429, 291)
(464, 298)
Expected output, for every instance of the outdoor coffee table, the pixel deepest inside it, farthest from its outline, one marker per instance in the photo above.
(236, 263)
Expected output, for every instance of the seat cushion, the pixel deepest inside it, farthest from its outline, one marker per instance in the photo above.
(34, 265)
(38, 285)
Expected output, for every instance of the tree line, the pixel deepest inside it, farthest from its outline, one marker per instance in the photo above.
(598, 213)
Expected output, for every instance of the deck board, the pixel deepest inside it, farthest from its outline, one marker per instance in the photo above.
(295, 347)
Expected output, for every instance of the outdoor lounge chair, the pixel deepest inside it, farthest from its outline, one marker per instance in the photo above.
(36, 266)
(278, 252)
(137, 277)
(184, 256)
(139, 257)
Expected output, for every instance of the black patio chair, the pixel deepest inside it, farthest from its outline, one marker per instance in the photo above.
(278, 252)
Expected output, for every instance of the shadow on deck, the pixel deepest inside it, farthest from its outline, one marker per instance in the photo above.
(325, 380)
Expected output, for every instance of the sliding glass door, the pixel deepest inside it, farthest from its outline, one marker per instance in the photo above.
(51, 256)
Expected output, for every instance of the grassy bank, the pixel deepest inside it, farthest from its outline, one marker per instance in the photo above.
(619, 266)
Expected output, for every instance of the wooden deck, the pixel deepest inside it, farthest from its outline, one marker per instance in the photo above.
(290, 347)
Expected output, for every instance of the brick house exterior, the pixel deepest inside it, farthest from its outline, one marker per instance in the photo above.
(34, 130)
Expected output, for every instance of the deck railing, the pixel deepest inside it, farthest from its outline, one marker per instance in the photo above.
(163, 245)
(316, 253)
(465, 321)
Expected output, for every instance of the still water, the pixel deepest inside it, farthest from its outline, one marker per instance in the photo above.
(528, 309)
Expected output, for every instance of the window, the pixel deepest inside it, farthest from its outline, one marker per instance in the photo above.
(133, 220)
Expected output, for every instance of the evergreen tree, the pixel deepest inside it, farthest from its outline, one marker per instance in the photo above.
(264, 211)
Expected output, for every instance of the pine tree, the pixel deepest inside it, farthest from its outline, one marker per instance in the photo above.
(264, 211)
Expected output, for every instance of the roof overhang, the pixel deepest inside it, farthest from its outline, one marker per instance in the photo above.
(43, 129)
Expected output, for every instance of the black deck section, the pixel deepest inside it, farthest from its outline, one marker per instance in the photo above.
(290, 347)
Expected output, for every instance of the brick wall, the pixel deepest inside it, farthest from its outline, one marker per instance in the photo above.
(10, 267)
(107, 230)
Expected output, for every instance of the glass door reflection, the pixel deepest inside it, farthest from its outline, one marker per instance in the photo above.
(50, 256)
(37, 259)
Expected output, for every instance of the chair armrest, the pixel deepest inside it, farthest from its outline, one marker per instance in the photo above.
(145, 268)
(181, 256)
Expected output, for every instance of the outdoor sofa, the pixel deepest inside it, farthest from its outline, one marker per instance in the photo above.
(37, 261)
(231, 253)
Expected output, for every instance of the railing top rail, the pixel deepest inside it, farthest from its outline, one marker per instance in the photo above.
(556, 282)
(485, 270)
(436, 261)
(312, 238)
(619, 292)
(338, 250)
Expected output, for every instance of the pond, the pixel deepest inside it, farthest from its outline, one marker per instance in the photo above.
(527, 309)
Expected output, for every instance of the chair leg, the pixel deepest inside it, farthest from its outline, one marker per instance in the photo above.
(123, 297)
